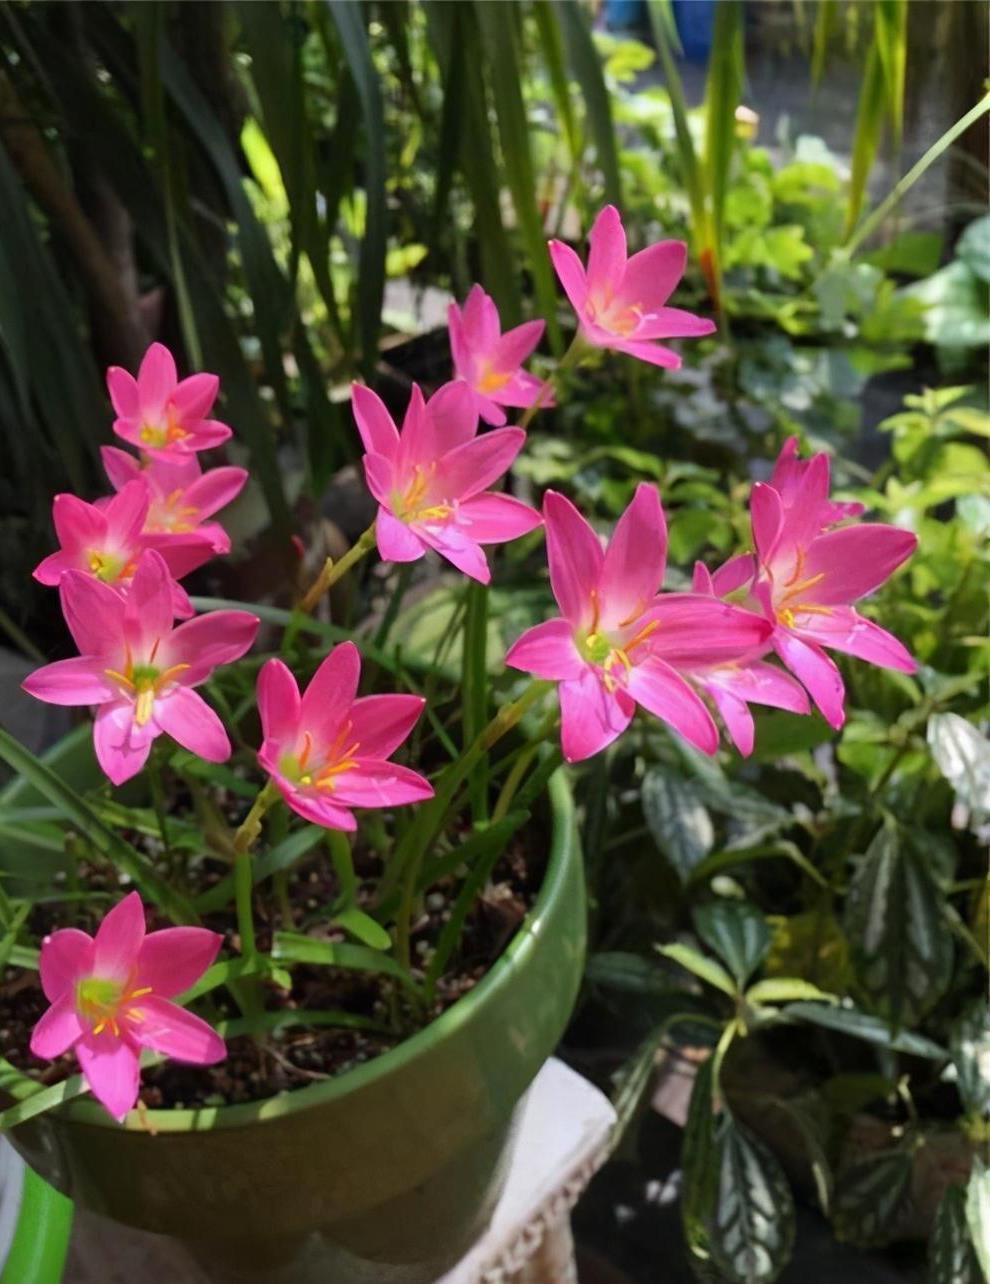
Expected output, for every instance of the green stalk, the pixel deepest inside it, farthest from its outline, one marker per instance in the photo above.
(333, 571)
(474, 691)
(872, 221)
(571, 358)
(244, 840)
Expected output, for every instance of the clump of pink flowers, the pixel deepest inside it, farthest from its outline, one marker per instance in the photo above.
(754, 631)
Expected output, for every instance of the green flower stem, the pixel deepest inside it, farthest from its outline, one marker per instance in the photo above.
(244, 840)
(332, 571)
(411, 851)
(572, 357)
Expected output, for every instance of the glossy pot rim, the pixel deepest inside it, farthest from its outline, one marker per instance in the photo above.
(502, 975)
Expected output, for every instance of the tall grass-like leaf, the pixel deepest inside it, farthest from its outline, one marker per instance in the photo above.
(881, 99)
(552, 51)
(347, 17)
(499, 30)
(586, 68)
(474, 690)
(723, 91)
(103, 839)
(294, 947)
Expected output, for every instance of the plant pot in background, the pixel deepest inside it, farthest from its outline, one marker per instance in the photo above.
(387, 1173)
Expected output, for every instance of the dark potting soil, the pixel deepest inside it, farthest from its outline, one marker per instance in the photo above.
(374, 1013)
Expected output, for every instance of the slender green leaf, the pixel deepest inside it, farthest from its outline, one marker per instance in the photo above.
(871, 1194)
(951, 1255)
(282, 856)
(700, 1166)
(363, 927)
(978, 1213)
(787, 989)
(969, 1044)
(704, 968)
(102, 839)
(294, 947)
(848, 1020)
(586, 68)
(45, 1099)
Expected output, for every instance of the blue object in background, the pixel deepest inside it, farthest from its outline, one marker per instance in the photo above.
(624, 15)
(695, 24)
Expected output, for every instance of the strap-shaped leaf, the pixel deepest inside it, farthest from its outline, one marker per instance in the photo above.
(860, 1025)
(870, 1197)
(969, 1044)
(586, 67)
(978, 1213)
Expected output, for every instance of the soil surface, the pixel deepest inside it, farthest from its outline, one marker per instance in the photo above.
(374, 1012)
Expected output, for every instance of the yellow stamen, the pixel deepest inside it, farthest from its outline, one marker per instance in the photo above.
(144, 706)
(492, 381)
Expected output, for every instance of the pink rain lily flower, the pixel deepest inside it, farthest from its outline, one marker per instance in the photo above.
(163, 416)
(139, 670)
(805, 581)
(619, 644)
(620, 301)
(110, 997)
(106, 539)
(326, 751)
(181, 496)
(489, 362)
(734, 687)
(431, 479)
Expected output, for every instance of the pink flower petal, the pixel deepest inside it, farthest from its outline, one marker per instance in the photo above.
(215, 490)
(701, 580)
(122, 748)
(490, 411)
(172, 960)
(570, 272)
(853, 561)
(194, 397)
(148, 612)
(495, 519)
(481, 320)
(697, 631)
(331, 692)
(79, 681)
(374, 783)
(118, 939)
(848, 631)
(379, 473)
(78, 525)
(95, 616)
(279, 702)
(319, 811)
(547, 650)
(396, 541)
(418, 442)
(380, 723)
(208, 433)
(652, 353)
(50, 569)
(607, 254)
(591, 717)
(182, 553)
(125, 513)
(120, 466)
(188, 719)
(156, 382)
(458, 548)
(459, 347)
(378, 431)
(575, 556)
(470, 468)
(112, 1071)
(66, 957)
(57, 1030)
(767, 517)
(635, 559)
(652, 275)
(167, 1028)
(736, 716)
(673, 323)
(452, 410)
(734, 574)
(523, 390)
(818, 673)
(663, 692)
(207, 641)
(123, 390)
(759, 683)
(516, 345)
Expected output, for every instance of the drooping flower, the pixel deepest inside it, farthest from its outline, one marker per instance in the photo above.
(621, 302)
(326, 751)
(139, 670)
(181, 496)
(618, 643)
(110, 997)
(490, 362)
(806, 584)
(431, 480)
(165, 417)
(105, 540)
(733, 687)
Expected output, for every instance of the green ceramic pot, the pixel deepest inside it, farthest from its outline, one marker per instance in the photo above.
(386, 1174)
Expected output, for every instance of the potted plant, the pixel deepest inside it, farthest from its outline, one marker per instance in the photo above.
(340, 1101)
